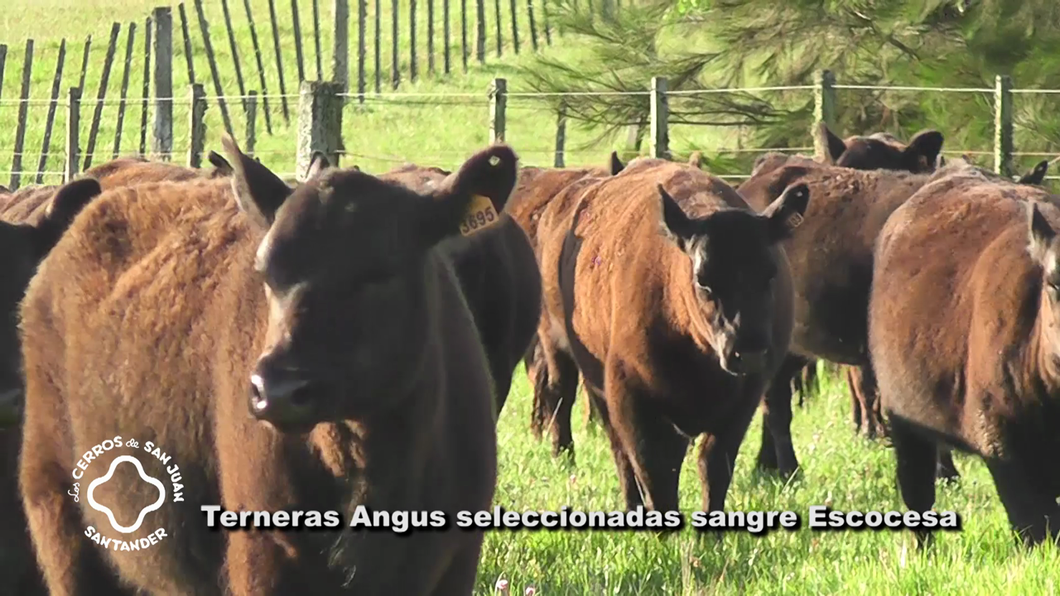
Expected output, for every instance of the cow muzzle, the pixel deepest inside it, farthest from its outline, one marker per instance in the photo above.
(744, 362)
(283, 400)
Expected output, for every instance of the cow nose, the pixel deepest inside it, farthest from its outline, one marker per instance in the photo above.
(283, 401)
(746, 362)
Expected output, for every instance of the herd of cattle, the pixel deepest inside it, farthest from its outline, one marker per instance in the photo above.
(351, 339)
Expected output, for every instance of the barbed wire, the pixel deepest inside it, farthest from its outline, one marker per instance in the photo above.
(389, 96)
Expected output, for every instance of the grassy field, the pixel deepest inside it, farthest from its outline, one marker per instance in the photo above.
(839, 469)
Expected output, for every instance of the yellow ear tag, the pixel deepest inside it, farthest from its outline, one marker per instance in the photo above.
(480, 215)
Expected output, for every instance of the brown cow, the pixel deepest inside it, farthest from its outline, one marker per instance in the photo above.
(555, 382)
(25, 238)
(308, 349)
(498, 274)
(831, 264)
(963, 326)
(544, 194)
(675, 301)
(882, 151)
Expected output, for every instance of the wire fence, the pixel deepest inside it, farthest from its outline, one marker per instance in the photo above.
(380, 131)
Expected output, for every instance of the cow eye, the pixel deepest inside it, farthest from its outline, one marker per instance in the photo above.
(1054, 289)
(702, 287)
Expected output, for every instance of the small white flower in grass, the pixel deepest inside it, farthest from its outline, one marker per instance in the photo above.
(530, 591)
(502, 586)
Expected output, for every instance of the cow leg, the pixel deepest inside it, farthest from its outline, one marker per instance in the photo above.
(655, 450)
(916, 459)
(777, 451)
(946, 469)
(555, 387)
(717, 457)
(869, 395)
(1031, 512)
(502, 385)
(71, 564)
(460, 576)
(627, 480)
(537, 370)
(856, 400)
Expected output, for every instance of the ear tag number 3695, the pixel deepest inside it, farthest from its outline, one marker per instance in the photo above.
(480, 215)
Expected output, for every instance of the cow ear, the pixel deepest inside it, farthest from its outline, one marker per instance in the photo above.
(923, 149)
(696, 160)
(63, 207)
(676, 225)
(1037, 175)
(317, 164)
(259, 192)
(786, 213)
(221, 167)
(480, 187)
(836, 146)
(616, 163)
(1041, 234)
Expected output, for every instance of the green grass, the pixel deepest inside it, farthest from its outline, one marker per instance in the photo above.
(839, 469)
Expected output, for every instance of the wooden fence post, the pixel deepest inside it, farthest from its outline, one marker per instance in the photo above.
(214, 74)
(23, 107)
(297, 25)
(824, 109)
(235, 55)
(498, 95)
(316, 39)
(480, 42)
(146, 86)
(124, 92)
(533, 23)
(279, 62)
(3, 63)
(45, 146)
(261, 67)
(395, 66)
(412, 41)
(340, 45)
(561, 136)
(188, 58)
(101, 95)
(378, 47)
(319, 124)
(515, 27)
(1003, 125)
(197, 125)
(73, 129)
(362, 46)
(162, 138)
(660, 115)
(252, 121)
(497, 18)
(445, 35)
(430, 37)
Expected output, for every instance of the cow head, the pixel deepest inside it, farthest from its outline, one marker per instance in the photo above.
(350, 275)
(882, 151)
(733, 271)
(24, 246)
(1044, 248)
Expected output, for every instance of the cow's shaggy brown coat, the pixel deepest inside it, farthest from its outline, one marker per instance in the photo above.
(963, 325)
(675, 301)
(498, 274)
(32, 220)
(831, 264)
(544, 197)
(309, 349)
